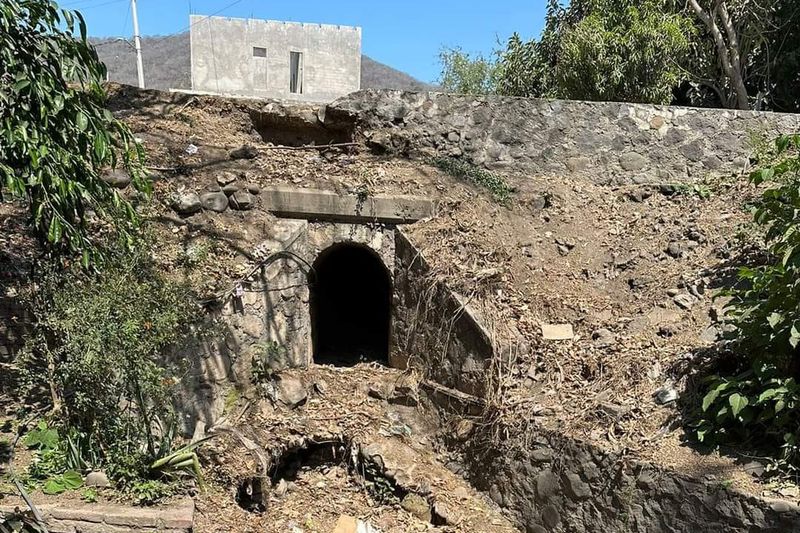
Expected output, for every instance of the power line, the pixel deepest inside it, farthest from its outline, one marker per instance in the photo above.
(211, 15)
(125, 24)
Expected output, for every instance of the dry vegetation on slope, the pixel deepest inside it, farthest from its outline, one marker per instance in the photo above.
(633, 269)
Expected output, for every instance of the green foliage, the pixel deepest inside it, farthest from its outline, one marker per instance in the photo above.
(99, 348)
(629, 53)
(655, 51)
(69, 480)
(56, 136)
(618, 50)
(150, 491)
(760, 406)
(765, 306)
(459, 168)
(89, 495)
(182, 461)
(54, 467)
(42, 438)
(465, 74)
(267, 358)
(700, 190)
(521, 71)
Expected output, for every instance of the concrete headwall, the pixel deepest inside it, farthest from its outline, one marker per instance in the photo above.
(224, 60)
(604, 141)
(272, 307)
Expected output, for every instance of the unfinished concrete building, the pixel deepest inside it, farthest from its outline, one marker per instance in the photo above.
(272, 59)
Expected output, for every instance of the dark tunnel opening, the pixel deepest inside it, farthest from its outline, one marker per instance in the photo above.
(351, 294)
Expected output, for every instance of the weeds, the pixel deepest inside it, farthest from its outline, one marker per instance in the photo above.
(496, 185)
(268, 357)
(758, 403)
(699, 190)
(96, 357)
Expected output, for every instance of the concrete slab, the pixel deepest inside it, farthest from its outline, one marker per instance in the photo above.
(312, 204)
(177, 517)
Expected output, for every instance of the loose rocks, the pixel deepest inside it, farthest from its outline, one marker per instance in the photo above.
(241, 200)
(117, 178)
(97, 479)
(416, 505)
(245, 152)
(214, 201)
(187, 204)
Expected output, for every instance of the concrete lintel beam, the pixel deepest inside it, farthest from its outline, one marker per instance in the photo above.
(314, 204)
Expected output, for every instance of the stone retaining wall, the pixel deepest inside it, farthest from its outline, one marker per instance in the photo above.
(604, 141)
(545, 480)
(433, 329)
(559, 484)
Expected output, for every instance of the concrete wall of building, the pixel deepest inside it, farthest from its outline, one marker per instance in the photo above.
(223, 59)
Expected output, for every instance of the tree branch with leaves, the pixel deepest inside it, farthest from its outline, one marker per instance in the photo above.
(727, 46)
(56, 135)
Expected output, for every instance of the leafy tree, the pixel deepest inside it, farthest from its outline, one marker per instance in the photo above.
(464, 74)
(631, 55)
(731, 53)
(599, 50)
(522, 71)
(56, 137)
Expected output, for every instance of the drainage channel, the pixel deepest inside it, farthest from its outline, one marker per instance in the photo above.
(327, 459)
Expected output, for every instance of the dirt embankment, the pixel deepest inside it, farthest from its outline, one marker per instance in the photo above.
(633, 269)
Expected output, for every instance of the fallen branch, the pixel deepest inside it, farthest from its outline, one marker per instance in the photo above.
(309, 146)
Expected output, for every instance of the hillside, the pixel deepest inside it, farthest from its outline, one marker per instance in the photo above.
(167, 65)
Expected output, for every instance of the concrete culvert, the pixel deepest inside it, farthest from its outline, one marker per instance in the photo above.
(351, 294)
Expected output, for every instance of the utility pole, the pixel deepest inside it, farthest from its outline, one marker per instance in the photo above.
(137, 41)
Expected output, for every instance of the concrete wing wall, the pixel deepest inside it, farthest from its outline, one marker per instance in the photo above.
(223, 59)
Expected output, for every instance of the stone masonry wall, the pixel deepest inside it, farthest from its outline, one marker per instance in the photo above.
(272, 307)
(559, 484)
(605, 141)
(432, 328)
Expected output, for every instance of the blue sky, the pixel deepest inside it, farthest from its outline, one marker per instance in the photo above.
(404, 34)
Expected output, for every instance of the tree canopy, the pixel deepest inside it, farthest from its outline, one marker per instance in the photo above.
(729, 53)
(56, 136)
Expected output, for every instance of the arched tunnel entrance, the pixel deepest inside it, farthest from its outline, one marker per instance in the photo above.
(350, 299)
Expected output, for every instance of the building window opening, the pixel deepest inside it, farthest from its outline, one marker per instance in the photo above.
(296, 72)
(350, 301)
(259, 52)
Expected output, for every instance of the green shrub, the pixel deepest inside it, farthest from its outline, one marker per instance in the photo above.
(760, 407)
(98, 355)
(758, 404)
(458, 168)
(765, 308)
